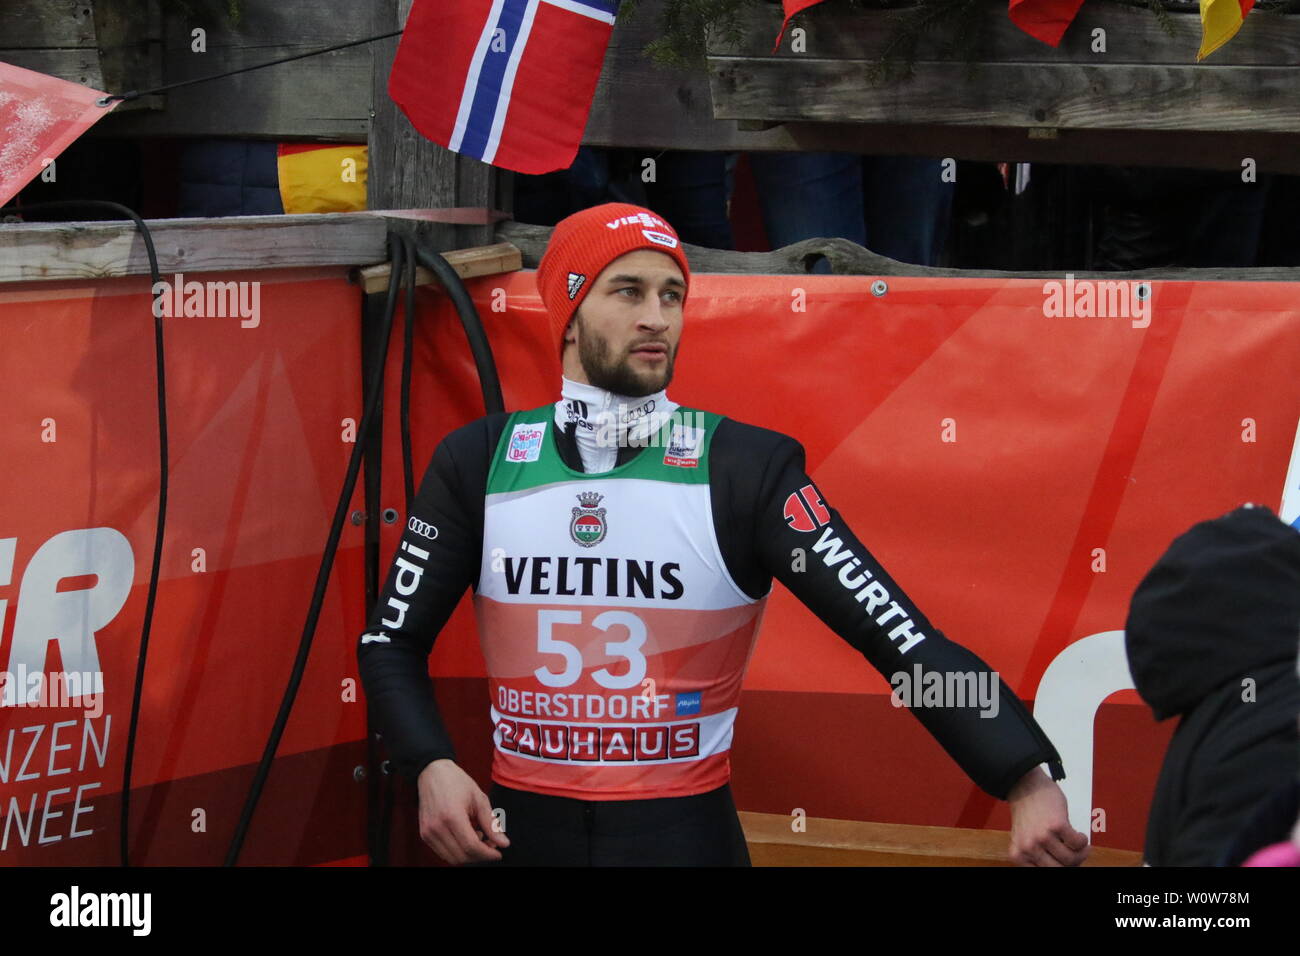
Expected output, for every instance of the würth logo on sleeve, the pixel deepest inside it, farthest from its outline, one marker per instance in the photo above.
(588, 525)
(805, 510)
(576, 279)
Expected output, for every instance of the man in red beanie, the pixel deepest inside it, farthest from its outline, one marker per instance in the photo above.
(621, 549)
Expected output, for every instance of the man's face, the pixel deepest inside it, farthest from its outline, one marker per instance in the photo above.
(624, 336)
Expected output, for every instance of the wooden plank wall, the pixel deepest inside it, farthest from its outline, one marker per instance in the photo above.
(1144, 79)
(51, 36)
(324, 97)
(641, 105)
(111, 45)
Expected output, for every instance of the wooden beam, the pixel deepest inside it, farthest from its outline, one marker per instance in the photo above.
(1064, 95)
(468, 263)
(827, 842)
(848, 258)
(1272, 152)
(93, 250)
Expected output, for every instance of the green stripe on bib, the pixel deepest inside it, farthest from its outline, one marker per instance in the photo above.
(527, 457)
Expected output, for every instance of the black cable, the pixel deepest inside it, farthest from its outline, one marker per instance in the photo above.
(489, 382)
(383, 827)
(408, 345)
(156, 277)
(378, 788)
(326, 565)
(134, 94)
(493, 402)
(375, 316)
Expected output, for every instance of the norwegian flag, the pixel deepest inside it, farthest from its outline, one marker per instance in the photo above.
(509, 82)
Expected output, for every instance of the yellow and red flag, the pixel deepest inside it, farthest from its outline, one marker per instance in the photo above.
(1220, 21)
(315, 178)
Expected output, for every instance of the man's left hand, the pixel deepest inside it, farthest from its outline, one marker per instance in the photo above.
(1041, 834)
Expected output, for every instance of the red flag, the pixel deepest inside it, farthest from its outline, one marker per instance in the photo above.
(39, 116)
(1044, 20)
(791, 8)
(507, 81)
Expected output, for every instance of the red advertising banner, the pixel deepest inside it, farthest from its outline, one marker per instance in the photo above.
(261, 411)
(1016, 457)
(39, 116)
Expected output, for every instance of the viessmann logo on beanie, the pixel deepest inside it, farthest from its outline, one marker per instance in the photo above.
(583, 244)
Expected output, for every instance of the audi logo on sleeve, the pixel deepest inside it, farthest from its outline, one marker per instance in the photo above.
(422, 528)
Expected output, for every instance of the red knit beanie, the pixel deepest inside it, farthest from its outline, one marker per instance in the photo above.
(583, 244)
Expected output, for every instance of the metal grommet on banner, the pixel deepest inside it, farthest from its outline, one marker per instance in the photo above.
(879, 288)
(390, 515)
(358, 773)
(358, 517)
(1144, 290)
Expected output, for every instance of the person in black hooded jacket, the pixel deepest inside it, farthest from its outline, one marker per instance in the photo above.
(1211, 638)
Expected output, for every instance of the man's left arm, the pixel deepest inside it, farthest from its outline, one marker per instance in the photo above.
(989, 733)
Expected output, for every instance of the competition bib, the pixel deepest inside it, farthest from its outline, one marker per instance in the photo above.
(614, 637)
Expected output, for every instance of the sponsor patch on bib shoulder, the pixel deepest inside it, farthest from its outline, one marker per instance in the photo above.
(526, 442)
(684, 445)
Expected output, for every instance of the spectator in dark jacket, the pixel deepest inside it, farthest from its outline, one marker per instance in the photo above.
(1211, 639)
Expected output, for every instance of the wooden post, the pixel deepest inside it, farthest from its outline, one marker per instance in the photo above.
(408, 171)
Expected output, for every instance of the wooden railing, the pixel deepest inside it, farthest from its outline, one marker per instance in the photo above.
(824, 842)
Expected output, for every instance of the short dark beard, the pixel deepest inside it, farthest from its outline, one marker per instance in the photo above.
(596, 357)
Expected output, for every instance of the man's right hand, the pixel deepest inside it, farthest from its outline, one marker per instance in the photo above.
(456, 816)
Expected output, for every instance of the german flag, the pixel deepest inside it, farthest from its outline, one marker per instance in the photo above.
(322, 178)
